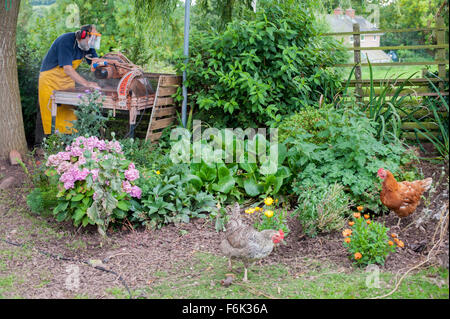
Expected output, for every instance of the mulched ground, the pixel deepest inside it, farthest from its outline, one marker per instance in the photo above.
(137, 255)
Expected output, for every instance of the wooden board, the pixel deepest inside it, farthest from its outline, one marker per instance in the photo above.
(167, 91)
(160, 112)
(159, 124)
(170, 80)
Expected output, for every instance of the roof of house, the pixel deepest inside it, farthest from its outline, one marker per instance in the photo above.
(344, 23)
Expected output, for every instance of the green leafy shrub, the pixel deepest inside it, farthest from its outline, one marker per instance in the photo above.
(257, 71)
(322, 209)
(367, 241)
(170, 198)
(42, 201)
(350, 155)
(145, 154)
(309, 119)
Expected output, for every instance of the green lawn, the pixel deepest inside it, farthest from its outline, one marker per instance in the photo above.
(392, 72)
(201, 279)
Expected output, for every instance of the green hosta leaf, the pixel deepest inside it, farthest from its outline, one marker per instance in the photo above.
(194, 180)
(252, 188)
(224, 185)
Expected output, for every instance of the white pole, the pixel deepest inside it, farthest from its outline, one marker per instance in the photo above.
(187, 7)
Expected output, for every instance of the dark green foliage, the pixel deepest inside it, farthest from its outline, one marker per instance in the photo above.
(42, 201)
(350, 155)
(170, 197)
(257, 71)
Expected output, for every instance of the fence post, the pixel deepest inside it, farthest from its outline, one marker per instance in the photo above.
(440, 53)
(358, 76)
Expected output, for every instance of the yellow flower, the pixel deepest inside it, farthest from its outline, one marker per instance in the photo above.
(400, 244)
(268, 201)
(257, 209)
(268, 213)
(250, 210)
(158, 172)
(276, 201)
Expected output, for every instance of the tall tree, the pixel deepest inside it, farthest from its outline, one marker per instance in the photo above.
(12, 133)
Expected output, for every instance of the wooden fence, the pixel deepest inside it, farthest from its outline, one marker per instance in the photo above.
(418, 87)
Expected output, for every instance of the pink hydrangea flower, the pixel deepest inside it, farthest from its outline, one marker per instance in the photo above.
(126, 186)
(136, 192)
(131, 173)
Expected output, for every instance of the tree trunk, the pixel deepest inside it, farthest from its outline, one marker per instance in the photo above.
(12, 133)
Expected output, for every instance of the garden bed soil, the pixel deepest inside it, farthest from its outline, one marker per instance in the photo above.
(138, 254)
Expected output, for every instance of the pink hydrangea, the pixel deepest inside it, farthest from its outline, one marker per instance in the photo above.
(73, 174)
(136, 192)
(131, 173)
(126, 186)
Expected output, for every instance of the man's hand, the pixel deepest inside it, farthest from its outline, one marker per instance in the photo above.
(92, 85)
(69, 70)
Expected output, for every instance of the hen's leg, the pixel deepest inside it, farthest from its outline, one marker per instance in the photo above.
(245, 279)
(399, 220)
(230, 266)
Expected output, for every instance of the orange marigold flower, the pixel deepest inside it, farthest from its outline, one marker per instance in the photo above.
(351, 223)
(396, 240)
(366, 216)
(347, 232)
(390, 243)
(356, 215)
(400, 244)
(394, 235)
(368, 222)
(360, 208)
(358, 256)
(347, 240)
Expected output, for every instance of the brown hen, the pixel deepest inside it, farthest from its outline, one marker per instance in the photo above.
(402, 197)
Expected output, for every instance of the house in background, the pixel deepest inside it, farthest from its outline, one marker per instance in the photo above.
(342, 21)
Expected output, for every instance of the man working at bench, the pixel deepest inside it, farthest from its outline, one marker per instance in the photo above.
(58, 73)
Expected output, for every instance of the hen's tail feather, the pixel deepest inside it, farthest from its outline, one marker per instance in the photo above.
(426, 183)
